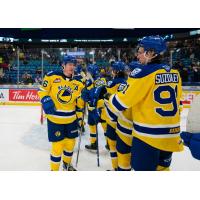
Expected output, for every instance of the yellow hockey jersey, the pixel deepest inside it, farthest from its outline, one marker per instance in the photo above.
(65, 93)
(125, 126)
(153, 93)
(112, 87)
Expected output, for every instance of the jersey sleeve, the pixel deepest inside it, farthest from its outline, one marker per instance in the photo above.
(130, 93)
(80, 103)
(45, 87)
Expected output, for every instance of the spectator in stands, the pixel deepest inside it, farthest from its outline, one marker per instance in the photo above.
(184, 74)
(29, 80)
(196, 74)
(38, 80)
(112, 59)
(2, 79)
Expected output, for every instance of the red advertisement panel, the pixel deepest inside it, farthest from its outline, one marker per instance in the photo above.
(28, 95)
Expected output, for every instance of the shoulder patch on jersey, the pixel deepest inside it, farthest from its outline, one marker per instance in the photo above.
(49, 73)
(122, 87)
(167, 68)
(115, 81)
(145, 70)
(109, 84)
(58, 73)
(135, 71)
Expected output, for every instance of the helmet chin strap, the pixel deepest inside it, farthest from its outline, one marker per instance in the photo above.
(147, 58)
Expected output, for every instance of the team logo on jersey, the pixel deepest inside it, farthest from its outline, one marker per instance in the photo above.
(122, 87)
(135, 71)
(109, 83)
(167, 68)
(57, 133)
(99, 83)
(57, 80)
(64, 94)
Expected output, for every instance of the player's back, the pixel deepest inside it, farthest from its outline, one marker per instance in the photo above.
(157, 115)
(153, 92)
(161, 97)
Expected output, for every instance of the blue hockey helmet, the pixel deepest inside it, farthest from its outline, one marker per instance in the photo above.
(93, 70)
(118, 66)
(155, 43)
(69, 59)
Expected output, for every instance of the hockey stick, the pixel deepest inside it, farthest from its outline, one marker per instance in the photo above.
(80, 134)
(97, 133)
(97, 142)
(89, 76)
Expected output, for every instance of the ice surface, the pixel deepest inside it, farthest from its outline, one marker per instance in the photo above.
(24, 145)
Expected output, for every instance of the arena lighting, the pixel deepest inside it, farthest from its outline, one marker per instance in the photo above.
(106, 40)
(125, 28)
(196, 32)
(166, 37)
(44, 40)
(30, 40)
(6, 39)
(125, 40)
(49, 40)
(91, 52)
(63, 40)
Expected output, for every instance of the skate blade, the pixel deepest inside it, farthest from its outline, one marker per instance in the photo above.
(91, 150)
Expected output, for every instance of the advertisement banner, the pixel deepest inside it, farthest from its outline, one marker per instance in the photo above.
(23, 95)
(188, 97)
(4, 95)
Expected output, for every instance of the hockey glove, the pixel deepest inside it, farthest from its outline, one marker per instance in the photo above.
(88, 83)
(97, 94)
(192, 140)
(48, 105)
(115, 81)
(85, 95)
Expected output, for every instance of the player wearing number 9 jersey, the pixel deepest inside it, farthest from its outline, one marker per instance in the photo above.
(153, 92)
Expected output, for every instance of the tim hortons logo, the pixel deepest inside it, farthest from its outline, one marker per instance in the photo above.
(23, 95)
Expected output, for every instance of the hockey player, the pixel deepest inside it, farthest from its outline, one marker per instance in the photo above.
(59, 96)
(119, 127)
(153, 92)
(106, 114)
(124, 130)
(94, 80)
(192, 135)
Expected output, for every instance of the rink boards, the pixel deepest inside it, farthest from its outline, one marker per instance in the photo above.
(14, 95)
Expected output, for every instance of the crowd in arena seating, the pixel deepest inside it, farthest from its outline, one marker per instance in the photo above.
(185, 58)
